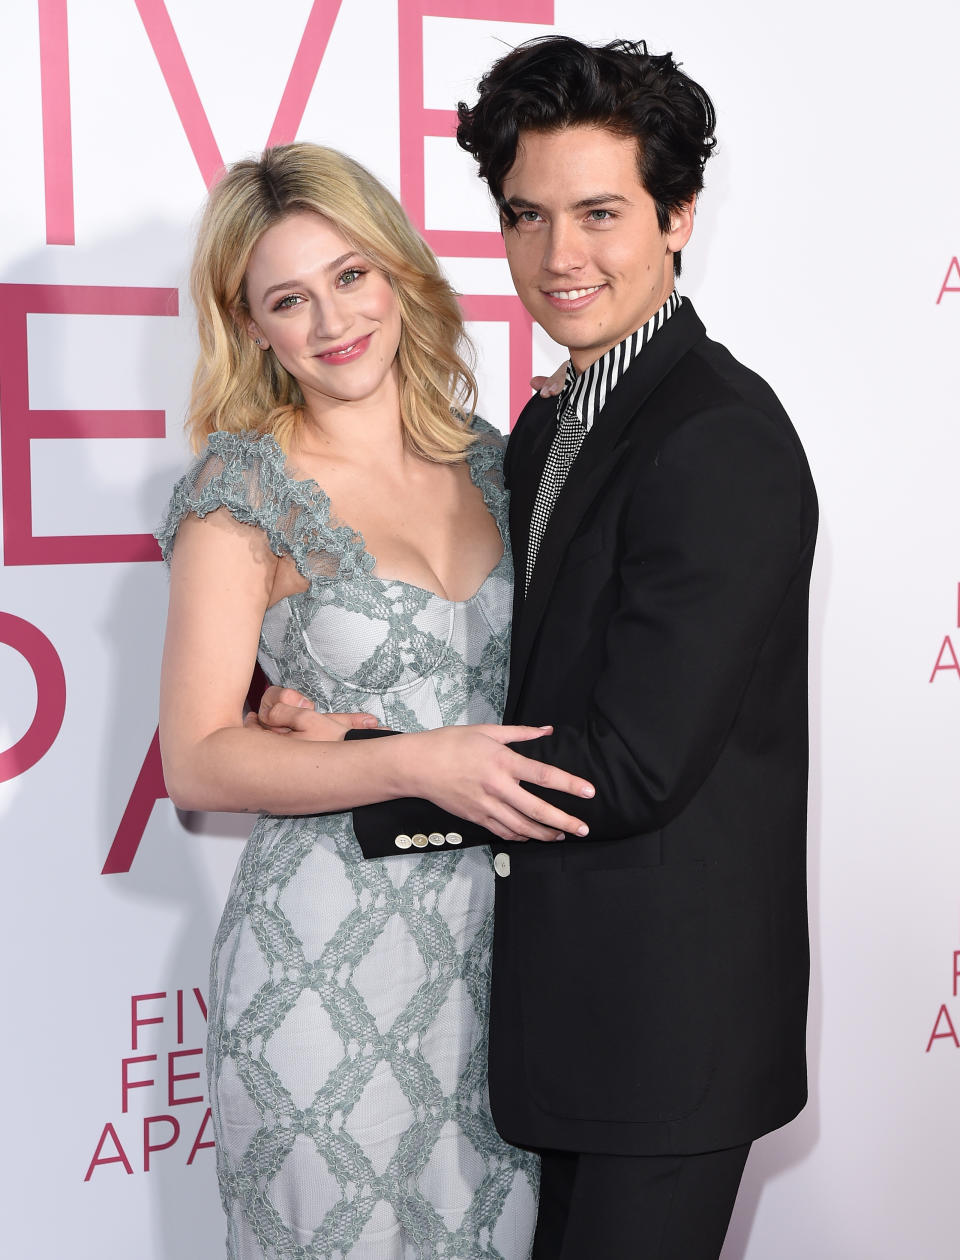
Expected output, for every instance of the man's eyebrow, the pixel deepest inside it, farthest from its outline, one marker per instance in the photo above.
(521, 203)
(585, 203)
(600, 199)
(293, 284)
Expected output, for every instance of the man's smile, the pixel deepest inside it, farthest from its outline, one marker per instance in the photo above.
(572, 299)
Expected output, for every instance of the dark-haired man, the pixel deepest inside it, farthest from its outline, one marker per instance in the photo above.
(650, 981)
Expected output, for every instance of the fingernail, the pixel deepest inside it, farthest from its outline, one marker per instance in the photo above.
(371, 721)
(559, 836)
(583, 831)
(544, 728)
(588, 791)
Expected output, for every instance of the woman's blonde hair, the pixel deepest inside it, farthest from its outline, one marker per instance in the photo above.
(237, 387)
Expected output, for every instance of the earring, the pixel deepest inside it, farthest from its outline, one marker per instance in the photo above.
(258, 341)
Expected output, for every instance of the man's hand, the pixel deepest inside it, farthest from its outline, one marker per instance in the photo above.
(286, 712)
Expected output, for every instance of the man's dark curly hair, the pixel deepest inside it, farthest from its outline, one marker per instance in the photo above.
(554, 82)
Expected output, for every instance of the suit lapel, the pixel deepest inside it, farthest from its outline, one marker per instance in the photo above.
(599, 456)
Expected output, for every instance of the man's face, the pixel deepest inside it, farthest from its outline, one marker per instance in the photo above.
(587, 256)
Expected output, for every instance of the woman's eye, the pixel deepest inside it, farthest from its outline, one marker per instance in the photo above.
(286, 303)
(350, 276)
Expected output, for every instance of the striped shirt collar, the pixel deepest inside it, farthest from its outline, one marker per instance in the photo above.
(588, 391)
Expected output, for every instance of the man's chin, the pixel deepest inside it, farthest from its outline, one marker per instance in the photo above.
(564, 332)
(582, 350)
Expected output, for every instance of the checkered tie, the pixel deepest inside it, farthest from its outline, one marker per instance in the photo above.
(563, 451)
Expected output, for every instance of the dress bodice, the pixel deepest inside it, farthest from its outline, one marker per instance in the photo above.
(353, 640)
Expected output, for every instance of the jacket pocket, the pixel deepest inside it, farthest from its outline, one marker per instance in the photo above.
(617, 985)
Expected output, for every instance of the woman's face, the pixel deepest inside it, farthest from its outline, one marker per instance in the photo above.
(331, 317)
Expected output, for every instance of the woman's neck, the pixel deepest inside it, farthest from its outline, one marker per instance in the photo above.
(366, 431)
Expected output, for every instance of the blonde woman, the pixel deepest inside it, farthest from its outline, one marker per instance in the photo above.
(345, 523)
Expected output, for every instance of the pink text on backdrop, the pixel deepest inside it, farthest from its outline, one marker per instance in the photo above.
(944, 1028)
(186, 98)
(947, 287)
(20, 425)
(56, 110)
(110, 1150)
(178, 1073)
(42, 657)
(947, 661)
(139, 1020)
(56, 121)
(148, 789)
(128, 1082)
(417, 122)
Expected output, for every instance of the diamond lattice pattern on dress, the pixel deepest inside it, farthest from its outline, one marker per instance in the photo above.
(349, 998)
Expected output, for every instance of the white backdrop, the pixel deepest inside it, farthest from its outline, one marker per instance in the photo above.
(824, 256)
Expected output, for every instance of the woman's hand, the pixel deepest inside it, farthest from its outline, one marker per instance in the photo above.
(550, 386)
(471, 772)
(287, 712)
(467, 770)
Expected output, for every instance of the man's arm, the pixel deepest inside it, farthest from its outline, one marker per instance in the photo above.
(410, 823)
(716, 534)
(466, 780)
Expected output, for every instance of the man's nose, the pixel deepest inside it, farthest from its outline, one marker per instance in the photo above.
(564, 251)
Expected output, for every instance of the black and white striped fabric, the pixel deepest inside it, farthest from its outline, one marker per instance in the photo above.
(583, 397)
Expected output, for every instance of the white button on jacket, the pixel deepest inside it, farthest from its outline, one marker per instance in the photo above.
(501, 864)
(420, 841)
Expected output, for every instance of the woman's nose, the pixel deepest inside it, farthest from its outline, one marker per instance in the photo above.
(330, 319)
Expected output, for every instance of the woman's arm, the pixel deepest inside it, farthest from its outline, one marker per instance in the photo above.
(222, 575)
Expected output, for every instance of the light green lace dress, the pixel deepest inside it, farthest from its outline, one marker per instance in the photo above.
(349, 998)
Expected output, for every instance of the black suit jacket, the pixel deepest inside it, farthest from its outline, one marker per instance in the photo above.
(650, 981)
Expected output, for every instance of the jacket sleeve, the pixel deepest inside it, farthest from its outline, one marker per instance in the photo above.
(717, 531)
(388, 828)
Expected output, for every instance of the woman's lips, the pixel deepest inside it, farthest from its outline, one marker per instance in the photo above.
(346, 352)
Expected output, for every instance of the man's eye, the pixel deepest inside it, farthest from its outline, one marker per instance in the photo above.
(601, 216)
(528, 216)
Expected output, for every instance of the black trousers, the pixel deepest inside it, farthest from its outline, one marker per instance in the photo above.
(643, 1207)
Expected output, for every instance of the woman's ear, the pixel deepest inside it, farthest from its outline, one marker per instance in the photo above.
(256, 336)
